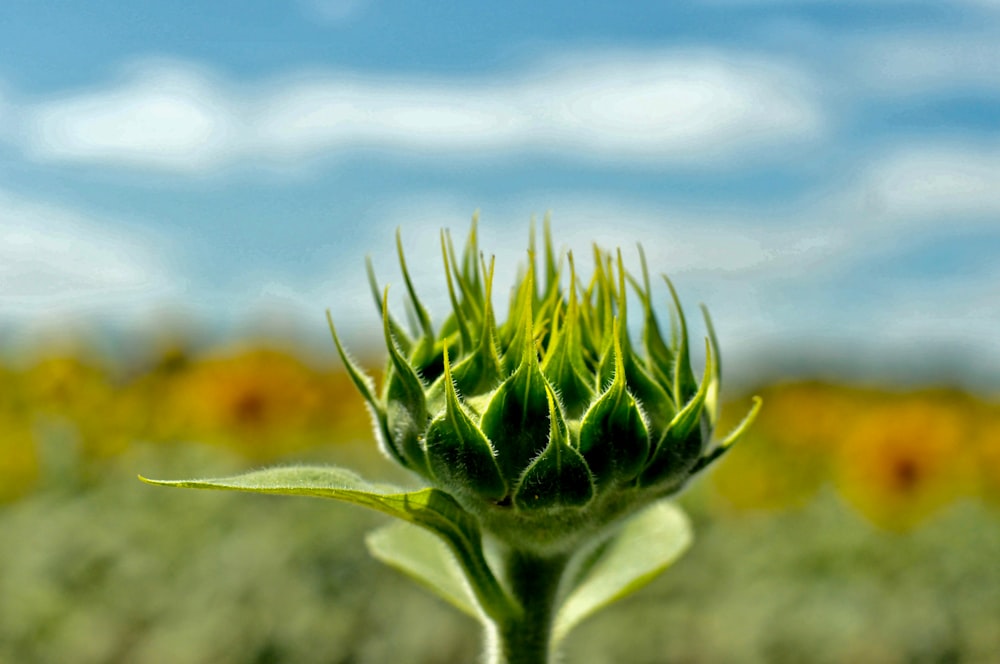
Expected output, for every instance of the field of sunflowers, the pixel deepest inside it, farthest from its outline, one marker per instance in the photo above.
(855, 523)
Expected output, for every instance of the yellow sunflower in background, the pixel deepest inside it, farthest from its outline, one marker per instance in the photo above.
(785, 458)
(76, 396)
(19, 466)
(905, 460)
(261, 402)
(147, 401)
(987, 453)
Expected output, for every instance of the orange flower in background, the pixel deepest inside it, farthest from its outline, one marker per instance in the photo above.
(810, 417)
(905, 460)
(785, 458)
(261, 402)
(760, 474)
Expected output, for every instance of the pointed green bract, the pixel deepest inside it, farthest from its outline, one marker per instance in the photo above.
(423, 317)
(460, 456)
(733, 436)
(458, 316)
(684, 383)
(366, 386)
(551, 263)
(405, 403)
(564, 365)
(518, 412)
(481, 371)
(712, 404)
(683, 443)
(613, 437)
(559, 477)
(398, 333)
(659, 358)
(655, 400)
(519, 332)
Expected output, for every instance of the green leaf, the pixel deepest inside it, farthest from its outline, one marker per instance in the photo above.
(432, 509)
(647, 544)
(424, 558)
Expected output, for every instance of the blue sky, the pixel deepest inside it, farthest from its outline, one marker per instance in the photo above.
(824, 175)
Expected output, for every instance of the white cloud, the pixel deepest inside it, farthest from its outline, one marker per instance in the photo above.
(161, 116)
(55, 262)
(936, 182)
(681, 107)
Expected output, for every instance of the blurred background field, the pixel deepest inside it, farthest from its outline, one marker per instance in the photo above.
(856, 523)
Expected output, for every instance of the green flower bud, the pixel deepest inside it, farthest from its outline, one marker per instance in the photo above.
(551, 426)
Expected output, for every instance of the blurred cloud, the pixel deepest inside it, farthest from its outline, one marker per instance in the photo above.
(938, 181)
(160, 116)
(914, 62)
(684, 107)
(56, 262)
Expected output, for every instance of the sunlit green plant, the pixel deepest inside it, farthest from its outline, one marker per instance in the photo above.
(548, 443)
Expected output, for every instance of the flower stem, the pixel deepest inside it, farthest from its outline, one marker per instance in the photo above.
(527, 637)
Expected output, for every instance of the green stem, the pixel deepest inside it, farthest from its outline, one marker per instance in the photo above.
(527, 637)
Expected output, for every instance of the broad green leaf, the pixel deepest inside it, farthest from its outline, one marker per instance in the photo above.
(425, 558)
(647, 544)
(432, 509)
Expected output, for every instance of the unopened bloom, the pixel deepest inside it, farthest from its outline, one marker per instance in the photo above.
(554, 424)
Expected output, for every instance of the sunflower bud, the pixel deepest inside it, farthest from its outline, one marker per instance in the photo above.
(552, 425)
